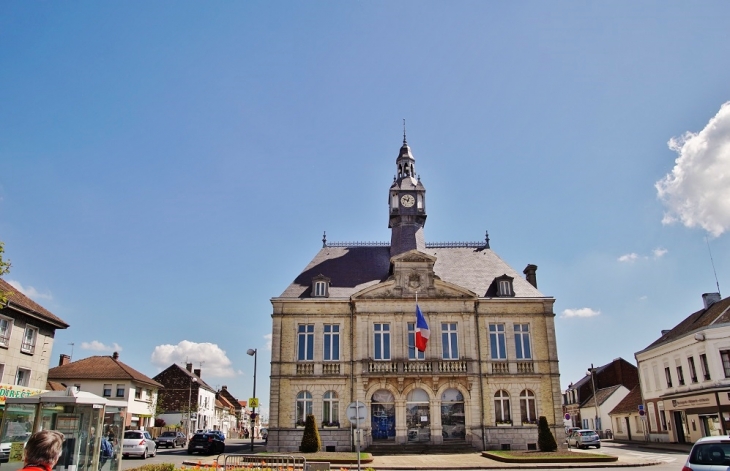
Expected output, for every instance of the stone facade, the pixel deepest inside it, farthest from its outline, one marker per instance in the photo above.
(492, 342)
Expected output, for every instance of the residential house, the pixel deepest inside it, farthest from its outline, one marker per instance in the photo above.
(109, 377)
(346, 329)
(595, 409)
(627, 419)
(685, 376)
(618, 371)
(187, 399)
(27, 331)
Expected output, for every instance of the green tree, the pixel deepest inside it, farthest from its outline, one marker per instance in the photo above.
(545, 439)
(4, 268)
(311, 443)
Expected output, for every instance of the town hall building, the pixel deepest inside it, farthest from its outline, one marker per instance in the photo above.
(344, 330)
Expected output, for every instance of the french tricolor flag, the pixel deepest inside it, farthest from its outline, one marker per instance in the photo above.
(422, 332)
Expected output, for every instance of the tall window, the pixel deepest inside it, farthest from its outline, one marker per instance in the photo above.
(29, 338)
(382, 341)
(305, 339)
(522, 341)
(692, 369)
(497, 341)
(413, 353)
(663, 419)
(725, 356)
(120, 390)
(680, 375)
(331, 342)
(2, 372)
(705, 367)
(331, 412)
(527, 407)
(304, 407)
(450, 341)
(107, 390)
(501, 407)
(668, 376)
(6, 325)
(22, 377)
(138, 393)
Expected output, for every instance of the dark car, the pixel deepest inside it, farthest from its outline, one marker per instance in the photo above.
(171, 439)
(207, 443)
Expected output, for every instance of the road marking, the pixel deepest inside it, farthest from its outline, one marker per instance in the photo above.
(654, 457)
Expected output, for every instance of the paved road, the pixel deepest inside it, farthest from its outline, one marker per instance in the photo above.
(178, 455)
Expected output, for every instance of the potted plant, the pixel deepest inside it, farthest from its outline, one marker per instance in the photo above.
(334, 424)
(504, 423)
(300, 423)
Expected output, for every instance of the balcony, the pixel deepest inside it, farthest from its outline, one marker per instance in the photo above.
(417, 367)
(518, 367)
(500, 368)
(330, 368)
(305, 369)
(382, 367)
(27, 347)
(439, 367)
(525, 367)
(452, 367)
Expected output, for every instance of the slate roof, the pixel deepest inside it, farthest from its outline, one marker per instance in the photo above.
(718, 313)
(21, 302)
(99, 367)
(630, 403)
(352, 269)
(602, 396)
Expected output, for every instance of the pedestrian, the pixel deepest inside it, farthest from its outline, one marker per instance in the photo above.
(43, 450)
(105, 452)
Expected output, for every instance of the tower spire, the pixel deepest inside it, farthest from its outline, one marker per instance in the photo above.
(404, 132)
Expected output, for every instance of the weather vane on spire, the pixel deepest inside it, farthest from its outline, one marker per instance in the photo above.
(404, 131)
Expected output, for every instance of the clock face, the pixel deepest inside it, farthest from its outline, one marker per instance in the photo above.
(407, 201)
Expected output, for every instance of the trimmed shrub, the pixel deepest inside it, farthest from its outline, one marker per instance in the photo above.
(311, 443)
(545, 439)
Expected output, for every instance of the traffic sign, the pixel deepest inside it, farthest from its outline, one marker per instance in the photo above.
(642, 412)
(253, 402)
(567, 416)
(357, 412)
(641, 406)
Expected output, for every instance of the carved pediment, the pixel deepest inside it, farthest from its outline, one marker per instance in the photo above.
(413, 256)
(391, 290)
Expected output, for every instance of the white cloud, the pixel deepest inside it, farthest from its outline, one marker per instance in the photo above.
(643, 298)
(268, 338)
(659, 252)
(30, 291)
(97, 346)
(214, 359)
(697, 191)
(582, 312)
(629, 257)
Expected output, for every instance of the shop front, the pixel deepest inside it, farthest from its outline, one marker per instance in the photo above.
(698, 415)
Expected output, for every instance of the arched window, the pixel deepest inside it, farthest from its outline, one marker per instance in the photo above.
(453, 425)
(527, 407)
(382, 415)
(501, 407)
(331, 411)
(304, 407)
(418, 416)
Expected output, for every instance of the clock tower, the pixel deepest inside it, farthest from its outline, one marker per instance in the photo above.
(406, 205)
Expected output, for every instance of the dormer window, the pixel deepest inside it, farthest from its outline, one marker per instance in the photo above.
(505, 289)
(320, 286)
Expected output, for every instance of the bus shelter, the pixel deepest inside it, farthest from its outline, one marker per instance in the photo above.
(83, 418)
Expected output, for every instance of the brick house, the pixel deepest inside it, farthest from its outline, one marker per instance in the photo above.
(345, 330)
(186, 397)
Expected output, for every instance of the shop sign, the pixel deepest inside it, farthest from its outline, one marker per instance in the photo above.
(9, 390)
(692, 402)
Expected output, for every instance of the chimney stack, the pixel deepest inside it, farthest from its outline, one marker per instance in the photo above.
(197, 372)
(530, 272)
(189, 367)
(65, 360)
(115, 356)
(708, 299)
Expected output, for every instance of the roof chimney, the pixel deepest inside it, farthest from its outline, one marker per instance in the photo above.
(664, 331)
(189, 367)
(224, 387)
(531, 275)
(708, 299)
(115, 356)
(65, 360)
(197, 372)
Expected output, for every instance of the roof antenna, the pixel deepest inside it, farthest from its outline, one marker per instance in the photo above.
(713, 265)
(404, 132)
(72, 352)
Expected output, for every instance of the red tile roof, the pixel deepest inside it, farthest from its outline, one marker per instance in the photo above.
(99, 367)
(630, 403)
(22, 303)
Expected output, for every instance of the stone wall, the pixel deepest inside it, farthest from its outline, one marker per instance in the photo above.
(289, 440)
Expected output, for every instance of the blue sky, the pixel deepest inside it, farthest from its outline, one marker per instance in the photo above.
(168, 167)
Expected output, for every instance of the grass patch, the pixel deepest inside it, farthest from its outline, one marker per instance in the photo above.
(559, 456)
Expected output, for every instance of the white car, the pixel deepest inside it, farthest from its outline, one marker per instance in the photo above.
(138, 443)
(709, 453)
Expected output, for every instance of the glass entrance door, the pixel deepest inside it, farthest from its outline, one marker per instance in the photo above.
(418, 416)
(382, 415)
(453, 421)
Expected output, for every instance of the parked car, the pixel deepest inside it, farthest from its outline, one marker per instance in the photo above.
(207, 443)
(171, 439)
(584, 438)
(138, 443)
(709, 453)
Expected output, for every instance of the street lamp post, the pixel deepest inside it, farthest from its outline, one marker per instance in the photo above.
(595, 399)
(252, 352)
(190, 393)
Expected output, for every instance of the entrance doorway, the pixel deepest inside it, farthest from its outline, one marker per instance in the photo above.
(628, 427)
(418, 416)
(679, 426)
(453, 425)
(382, 415)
